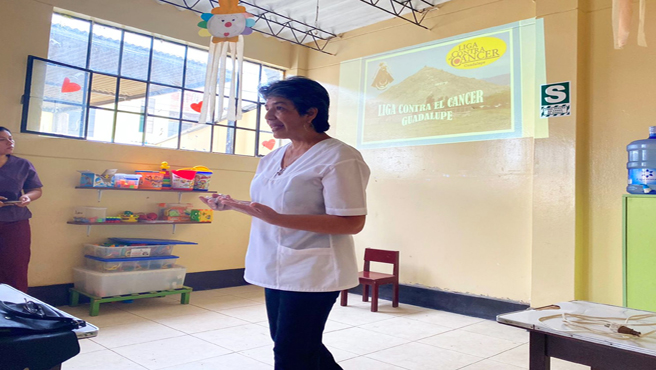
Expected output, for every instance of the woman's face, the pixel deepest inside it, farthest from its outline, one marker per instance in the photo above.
(6, 143)
(284, 119)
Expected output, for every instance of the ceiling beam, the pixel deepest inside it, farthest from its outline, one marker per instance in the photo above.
(274, 23)
(399, 6)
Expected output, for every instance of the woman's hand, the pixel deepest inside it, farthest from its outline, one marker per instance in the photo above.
(253, 209)
(212, 202)
(24, 201)
(1, 203)
(217, 201)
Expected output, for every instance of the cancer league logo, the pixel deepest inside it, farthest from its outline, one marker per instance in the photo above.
(383, 78)
(476, 53)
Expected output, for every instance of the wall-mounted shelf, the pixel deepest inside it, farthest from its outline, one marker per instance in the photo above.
(88, 225)
(180, 192)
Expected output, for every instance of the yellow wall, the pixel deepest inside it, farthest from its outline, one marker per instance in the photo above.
(56, 246)
(493, 218)
(621, 99)
(532, 220)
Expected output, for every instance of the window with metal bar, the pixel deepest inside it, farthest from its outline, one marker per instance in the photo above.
(108, 84)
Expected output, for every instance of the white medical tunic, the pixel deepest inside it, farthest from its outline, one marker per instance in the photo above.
(330, 178)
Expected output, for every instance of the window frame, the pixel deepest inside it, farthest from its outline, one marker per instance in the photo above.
(232, 128)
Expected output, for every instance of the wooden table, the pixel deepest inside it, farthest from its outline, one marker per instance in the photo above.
(551, 338)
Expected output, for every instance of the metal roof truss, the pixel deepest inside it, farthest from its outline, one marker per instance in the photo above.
(398, 7)
(277, 25)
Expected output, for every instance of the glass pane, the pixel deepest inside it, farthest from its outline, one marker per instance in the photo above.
(56, 118)
(251, 81)
(164, 101)
(267, 143)
(103, 91)
(136, 54)
(196, 136)
(168, 62)
(69, 40)
(105, 49)
(101, 125)
(193, 102)
(249, 115)
(131, 96)
(270, 75)
(220, 140)
(263, 123)
(57, 83)
(162, 132)
(244, 142)
(196, 67)
(129, 128)
(57, 99)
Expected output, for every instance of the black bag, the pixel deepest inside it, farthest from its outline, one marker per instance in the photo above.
(34, 336)
(33, 318)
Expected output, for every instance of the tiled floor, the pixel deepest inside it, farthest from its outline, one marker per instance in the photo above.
(226, 329)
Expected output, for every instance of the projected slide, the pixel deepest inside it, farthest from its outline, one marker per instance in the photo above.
(465, 88)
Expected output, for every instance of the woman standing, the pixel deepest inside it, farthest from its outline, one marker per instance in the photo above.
(19, 186)
(308, 199)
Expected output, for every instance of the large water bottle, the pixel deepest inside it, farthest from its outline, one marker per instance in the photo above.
(642, 165)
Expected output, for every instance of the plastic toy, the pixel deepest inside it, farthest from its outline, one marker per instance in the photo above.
(128, 216)
(201, 215)
(166, 171)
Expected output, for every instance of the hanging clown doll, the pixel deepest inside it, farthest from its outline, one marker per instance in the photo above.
(226, 24)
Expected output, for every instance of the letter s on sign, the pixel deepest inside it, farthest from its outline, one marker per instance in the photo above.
(556, 94)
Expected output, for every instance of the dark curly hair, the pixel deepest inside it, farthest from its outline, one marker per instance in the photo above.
(304, 93)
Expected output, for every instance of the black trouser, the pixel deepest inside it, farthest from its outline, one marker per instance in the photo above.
(296, 322)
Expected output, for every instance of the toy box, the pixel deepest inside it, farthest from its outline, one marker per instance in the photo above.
(151, 180)
(202, 180)
(101, 284)
(129, 264)
(126, 181)
(89, 179)
(89, 214)
(127, 251)
(201, 215)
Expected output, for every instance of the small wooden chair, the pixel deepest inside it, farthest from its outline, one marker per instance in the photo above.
(376, 279)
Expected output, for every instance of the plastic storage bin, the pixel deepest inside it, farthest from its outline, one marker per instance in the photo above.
(178, 212)
(127, 251)
(129, 264)
(127, 181)
(182, 179)
(149, 241)
(89, 214)
(101, 284)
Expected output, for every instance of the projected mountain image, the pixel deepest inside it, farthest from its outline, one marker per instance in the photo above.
(433, 102)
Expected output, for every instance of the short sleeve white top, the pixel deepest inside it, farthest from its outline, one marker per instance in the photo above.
(330, 178)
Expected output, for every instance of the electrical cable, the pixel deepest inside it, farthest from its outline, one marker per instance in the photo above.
(615, 327)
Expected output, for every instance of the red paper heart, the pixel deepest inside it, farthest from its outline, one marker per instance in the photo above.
(69, 86)
(197, 106)
(269, 144)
